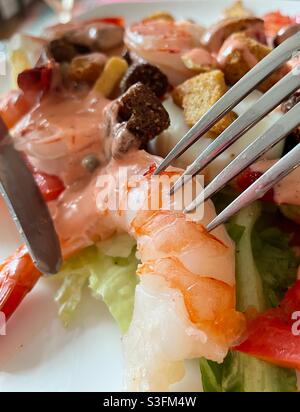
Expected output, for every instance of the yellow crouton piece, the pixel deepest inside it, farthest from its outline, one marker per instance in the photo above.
(237, 10)
(159, 15)
(241, 57)
(113, 71)
(198, 94)
(196, 67)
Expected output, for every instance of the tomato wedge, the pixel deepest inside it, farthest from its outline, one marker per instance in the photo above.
(247, 177)
(37, 79)
(117, 20)
(274, 21)
(50, 186)
(16, 103)
(274, 336)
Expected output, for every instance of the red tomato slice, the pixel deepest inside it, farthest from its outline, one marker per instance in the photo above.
(117, 20)
(50, 186)
(32, 82)
(247, 177)
(274, 336)
(274, 21)
(36, 79)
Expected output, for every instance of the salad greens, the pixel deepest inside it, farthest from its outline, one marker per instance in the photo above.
(114, 280)
(276, 263)
(265, 267)
(109, 271)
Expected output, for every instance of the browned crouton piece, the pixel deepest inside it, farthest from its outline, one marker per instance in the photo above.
(140, 117)
(147, 74)
(215, 36)
(86, 68)
(198, 94)
(239, 54)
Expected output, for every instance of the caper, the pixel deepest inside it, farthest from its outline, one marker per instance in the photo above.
(90, 162)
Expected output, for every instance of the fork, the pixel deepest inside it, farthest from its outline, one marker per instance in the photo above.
(271, 99)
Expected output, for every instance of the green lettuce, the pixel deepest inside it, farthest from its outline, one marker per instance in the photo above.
(265, 267)
(243, 373)
(275, 261)
(114, 281)
(108, 270)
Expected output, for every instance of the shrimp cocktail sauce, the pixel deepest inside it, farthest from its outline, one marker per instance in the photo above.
(93, 116)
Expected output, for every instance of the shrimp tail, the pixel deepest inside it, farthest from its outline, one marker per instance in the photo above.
(18, 275)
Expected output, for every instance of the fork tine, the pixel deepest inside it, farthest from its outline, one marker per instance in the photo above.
(251, 153)
(287, 85)
(234, 95)
(273, 175)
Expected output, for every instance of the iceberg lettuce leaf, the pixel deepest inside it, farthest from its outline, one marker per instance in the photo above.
(114, 281)
(109, 271)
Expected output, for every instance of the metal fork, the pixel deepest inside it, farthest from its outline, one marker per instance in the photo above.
(280, 91)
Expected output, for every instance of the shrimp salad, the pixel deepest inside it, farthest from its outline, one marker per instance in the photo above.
(96, 106)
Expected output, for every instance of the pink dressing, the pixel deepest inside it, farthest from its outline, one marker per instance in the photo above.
(231, 44)
(287, 191)
(60, 130)
(81, 214)
(76, 218)
(200, 57)
(215, 36)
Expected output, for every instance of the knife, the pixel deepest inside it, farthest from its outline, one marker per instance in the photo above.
(27, 207)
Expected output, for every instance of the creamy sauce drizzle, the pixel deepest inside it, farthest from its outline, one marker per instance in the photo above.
(200, 57)
(215, 36)
(60, 130)
(232, 44)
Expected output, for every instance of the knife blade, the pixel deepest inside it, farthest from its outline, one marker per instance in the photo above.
(27, 207)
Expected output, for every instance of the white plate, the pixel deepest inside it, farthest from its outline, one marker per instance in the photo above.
(38, 354)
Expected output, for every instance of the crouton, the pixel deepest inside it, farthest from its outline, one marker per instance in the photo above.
(198, 94)
(237, 9)
(215, 36)
(159, 15)
(86, 68)
(199, 60)
(147, 74)
(239, 54)
(140, 117)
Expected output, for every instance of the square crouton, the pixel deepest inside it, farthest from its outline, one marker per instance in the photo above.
(239, 54)
(198, 94)
(237, 10)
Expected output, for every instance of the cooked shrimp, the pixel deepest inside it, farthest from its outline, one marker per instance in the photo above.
(59, 131)
(162, 43)
(12, 107)
(187, 284)
(18, 276)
